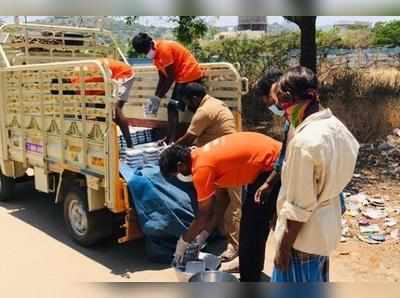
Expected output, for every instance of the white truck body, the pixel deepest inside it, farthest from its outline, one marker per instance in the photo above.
(63, 133)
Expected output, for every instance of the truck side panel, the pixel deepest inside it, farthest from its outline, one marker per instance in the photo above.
(53, 125)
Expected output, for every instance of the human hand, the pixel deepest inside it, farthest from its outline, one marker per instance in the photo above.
(202, 238)
(180, 251)
(153, 104)
(258, 197)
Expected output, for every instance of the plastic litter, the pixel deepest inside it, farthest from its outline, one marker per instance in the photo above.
(374, 228)
(390, 222)
(377, 202)
(374, 213)
(368, 240)
(363, 222)
(377, 237)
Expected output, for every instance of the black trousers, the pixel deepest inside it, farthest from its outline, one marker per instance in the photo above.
(254, 229)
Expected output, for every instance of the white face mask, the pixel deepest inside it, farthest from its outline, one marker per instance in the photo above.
(274, 109)
(183, 178)
(151, 54)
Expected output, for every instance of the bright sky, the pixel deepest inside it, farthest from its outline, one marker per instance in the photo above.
(233, 20)
(321, 20)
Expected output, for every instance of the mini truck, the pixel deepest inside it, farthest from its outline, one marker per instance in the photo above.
(54, 132)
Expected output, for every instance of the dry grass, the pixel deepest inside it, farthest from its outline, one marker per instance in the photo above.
(367, 101)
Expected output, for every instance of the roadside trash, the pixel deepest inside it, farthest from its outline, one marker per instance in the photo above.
(355, 202)
(346, 232)
(370, 229)
(374, 213)
(353, 213)
(390, 222)
(374, 218)
(363, 222)
(343, 239)
(377, 237)
(368, 240)
(377, 202)
(385, 146)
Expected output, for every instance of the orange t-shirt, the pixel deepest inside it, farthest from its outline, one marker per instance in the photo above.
(231, 161)
(118, 69)
(185, 66)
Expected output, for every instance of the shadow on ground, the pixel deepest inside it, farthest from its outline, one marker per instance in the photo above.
(40, 211)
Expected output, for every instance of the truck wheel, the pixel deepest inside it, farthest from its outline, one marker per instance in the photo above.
(7, 185)
(86, 228)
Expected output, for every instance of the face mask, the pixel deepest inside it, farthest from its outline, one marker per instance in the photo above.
(277, 111)
(184, 178)
(151, 54)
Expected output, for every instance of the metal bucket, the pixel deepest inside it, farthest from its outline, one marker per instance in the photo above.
(212, 263)
(213, 276)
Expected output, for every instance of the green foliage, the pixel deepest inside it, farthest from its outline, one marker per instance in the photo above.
(387, 34)
(359, 38)
(189, 29)
(255, 57)
(130, 20)
(329, 39)
(349, 39)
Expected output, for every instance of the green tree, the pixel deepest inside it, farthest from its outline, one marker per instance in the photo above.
(360, 38)
(329, 39)
(130, 20)
(308, 45)
(387, 34)
(189, 29)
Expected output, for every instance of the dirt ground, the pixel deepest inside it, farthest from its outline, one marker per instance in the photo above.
(377, 175)
(35, 245)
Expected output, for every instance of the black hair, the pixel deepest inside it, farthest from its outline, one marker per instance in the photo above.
(297, 83)
(264, 85)
(170, 157)
(194, 90)
(142, 43)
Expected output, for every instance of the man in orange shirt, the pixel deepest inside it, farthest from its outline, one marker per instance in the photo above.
(175, 64)
(234, 160)
(123, 74)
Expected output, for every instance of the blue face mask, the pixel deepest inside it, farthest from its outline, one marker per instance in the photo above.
(277, 111)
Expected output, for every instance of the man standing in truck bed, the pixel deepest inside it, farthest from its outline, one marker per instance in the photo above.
(123, 74)
(175, 64)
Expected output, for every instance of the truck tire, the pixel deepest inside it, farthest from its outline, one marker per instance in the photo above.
(7, 186)
(86, 228)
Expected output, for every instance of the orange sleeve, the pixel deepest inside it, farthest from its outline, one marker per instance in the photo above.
(204, 182)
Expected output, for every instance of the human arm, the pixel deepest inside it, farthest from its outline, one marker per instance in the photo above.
(282, 257)
(274, 177)
(266, 187)
(166, 79)
(197, 230)
(199, 123)
(300, 201)
(199, 224)
(186, 140)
